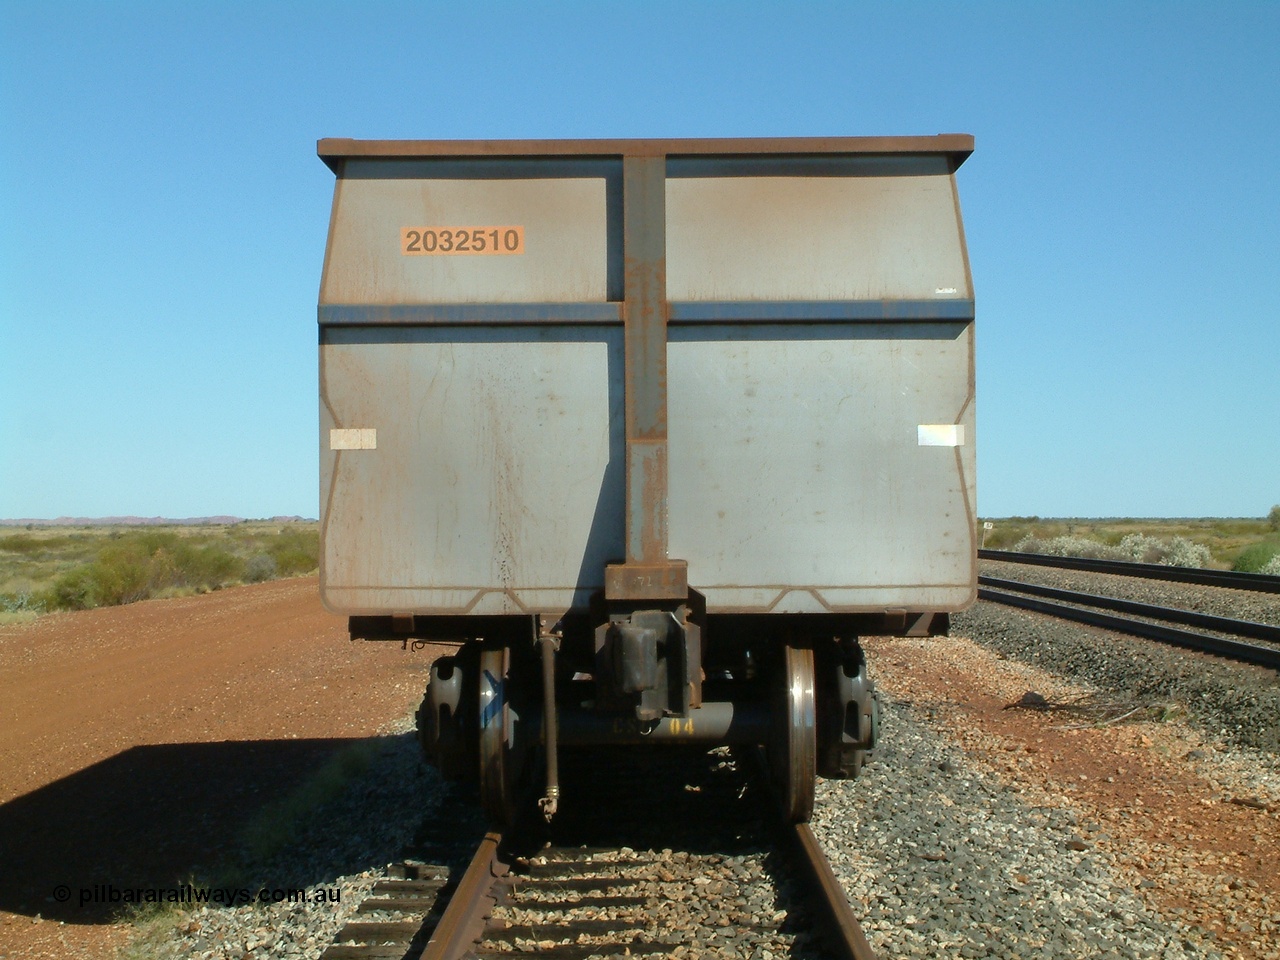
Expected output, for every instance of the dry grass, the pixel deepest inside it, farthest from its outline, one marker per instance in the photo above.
(1099, 709)
(1226, 538)
(43, 568)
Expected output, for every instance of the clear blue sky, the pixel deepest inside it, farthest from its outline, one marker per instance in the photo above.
(163, 217)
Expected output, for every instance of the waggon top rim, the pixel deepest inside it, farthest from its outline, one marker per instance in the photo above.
(956, 146)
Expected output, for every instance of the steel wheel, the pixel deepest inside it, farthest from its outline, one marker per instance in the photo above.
(849, 724)
(793, 754)
(497, 735)
(441, 721)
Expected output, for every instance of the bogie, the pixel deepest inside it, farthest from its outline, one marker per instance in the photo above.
(807, 702)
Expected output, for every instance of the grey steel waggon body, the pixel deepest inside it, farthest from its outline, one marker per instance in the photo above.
(657, 429)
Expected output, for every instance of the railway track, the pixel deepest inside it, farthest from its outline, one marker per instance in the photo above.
(404, 910)
(1165, 624)
(626, 870)
(1148, 571)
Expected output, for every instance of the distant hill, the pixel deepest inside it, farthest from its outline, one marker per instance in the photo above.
(142, 521)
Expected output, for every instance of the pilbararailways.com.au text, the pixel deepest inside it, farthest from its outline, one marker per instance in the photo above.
(190, 895)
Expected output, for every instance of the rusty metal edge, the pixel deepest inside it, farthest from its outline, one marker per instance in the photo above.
(463, 920)
(956, 145)
(645, 361)
(601, 313)
(848, 938)
(647, 581)
(609, 313)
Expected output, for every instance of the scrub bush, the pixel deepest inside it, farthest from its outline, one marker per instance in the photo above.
(295, 551)
(1187, 553)
(260, 567)
(138, 566)
(21, 603)
(108, 566)
(1136, 548)
(1256, 558)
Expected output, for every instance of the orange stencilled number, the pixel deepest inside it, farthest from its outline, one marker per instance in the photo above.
(461, 241)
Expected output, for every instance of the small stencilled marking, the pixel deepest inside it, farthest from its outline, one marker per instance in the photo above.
(941, 435)
(353, 438)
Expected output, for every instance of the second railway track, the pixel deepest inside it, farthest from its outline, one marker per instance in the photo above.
(1215, 633)
(1258, 582)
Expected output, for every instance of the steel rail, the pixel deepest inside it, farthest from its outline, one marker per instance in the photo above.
(1259, 582)
(1190, 618)
(1223, 647)
(462, 922)
(847, 938)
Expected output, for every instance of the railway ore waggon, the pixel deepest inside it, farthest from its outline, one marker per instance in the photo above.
(656, 429)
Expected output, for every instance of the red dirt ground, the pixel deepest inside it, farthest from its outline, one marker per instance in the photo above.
(133, 740)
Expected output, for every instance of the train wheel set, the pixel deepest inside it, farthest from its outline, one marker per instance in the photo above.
(483, 719)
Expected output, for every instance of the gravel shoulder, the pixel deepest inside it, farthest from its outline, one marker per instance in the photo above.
(989, 831)
(1236, 702)
(341, 853)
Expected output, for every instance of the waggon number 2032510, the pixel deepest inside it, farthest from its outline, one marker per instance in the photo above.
(428, 241)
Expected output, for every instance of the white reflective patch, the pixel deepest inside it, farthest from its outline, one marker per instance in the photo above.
(353, 438)
(941, 435)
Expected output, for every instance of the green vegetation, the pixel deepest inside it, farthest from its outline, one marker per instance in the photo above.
(44, 569)
(1239, 543)
(1259, 557)
(153, 930)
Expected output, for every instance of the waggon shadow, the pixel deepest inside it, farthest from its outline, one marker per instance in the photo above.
(160, 816)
